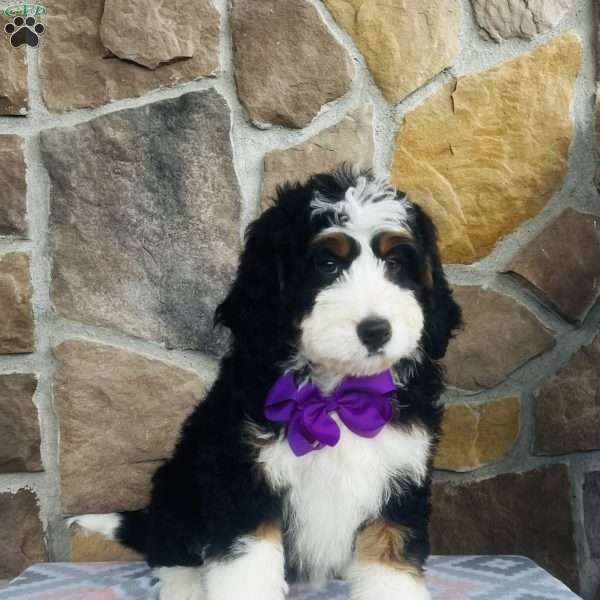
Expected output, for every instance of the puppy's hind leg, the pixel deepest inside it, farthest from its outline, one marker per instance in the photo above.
(128, 528)
(176, 583)
(253, 571)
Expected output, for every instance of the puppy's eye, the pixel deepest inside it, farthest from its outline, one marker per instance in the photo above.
(328, 266)
(393, 264)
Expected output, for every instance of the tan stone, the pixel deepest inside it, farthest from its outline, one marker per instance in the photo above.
(350, 140)
(148, 33)
(478, 435)
(95, 547)
(13, 209)
(287, 64)
(498, 336)
(16, 324)
(77, 71)
(13, 80)
(405, 42)
(503, 19)
(486, 152)
(22, 540)
(119, 414)
(19, 424)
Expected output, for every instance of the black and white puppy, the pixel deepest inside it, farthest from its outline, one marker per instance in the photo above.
(340, 281)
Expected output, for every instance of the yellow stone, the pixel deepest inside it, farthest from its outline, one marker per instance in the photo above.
(405, 42)
(486, 152)
(350, 140)
(95, 547)
(474, 436)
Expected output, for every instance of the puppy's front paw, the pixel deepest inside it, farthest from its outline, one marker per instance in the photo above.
(257, 573)
(180, 583)
(380, 582)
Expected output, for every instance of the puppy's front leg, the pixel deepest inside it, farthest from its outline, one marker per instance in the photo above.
(381, 569)
(254, 570)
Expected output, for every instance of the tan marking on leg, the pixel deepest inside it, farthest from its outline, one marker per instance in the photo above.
(270, 532)
(385, 543)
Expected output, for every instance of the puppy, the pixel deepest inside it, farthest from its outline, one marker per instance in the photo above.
(311, 455)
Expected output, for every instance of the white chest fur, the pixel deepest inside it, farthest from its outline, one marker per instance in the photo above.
(331, 492)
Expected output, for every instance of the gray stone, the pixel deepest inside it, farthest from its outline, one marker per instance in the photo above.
(503, 19)
(144, 219)
(119, 414)
(13, 208)
(499, 336)
(597, 16)
(287, 64)
(22, 540)
(19, 424)
(567, 407)
(527, 514)
(77, 71)
(564, 275)
(350, 140)
(591, 511)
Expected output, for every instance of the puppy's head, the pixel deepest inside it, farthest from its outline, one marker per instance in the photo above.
(342, 276)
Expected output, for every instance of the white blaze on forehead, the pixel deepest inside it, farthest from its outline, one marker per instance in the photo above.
(329, 339)
(372, 205)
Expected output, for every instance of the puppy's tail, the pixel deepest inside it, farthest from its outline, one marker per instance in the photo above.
(128, 528)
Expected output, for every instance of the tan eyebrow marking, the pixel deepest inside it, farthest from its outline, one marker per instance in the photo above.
(338, 243)
(387, 240)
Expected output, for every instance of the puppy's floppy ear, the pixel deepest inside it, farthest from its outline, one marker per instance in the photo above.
(252, 309)
(442, 314)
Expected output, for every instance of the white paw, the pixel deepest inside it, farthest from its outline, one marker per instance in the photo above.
(180, 583)
(379, 582)
(256, 574)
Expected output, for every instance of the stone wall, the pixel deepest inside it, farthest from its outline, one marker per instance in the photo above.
(137, 142)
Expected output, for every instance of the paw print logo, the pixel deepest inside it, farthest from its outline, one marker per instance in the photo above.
(24, 31)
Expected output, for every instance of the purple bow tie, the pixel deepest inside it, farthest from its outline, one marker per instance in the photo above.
(362, 403)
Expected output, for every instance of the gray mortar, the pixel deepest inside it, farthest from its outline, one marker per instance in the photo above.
(250, 144)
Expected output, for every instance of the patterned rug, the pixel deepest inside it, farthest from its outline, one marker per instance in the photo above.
(448, 577)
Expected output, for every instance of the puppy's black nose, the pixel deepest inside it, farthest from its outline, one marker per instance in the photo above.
(374, 332)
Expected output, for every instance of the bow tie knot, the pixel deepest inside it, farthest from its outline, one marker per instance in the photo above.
(363, 404)
(331, 405)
